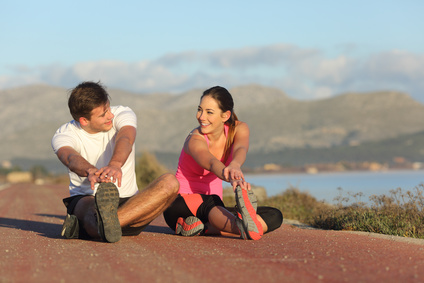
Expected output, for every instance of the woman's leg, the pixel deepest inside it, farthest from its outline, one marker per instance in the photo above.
(272, 217)
(176, 210)
(223, 220)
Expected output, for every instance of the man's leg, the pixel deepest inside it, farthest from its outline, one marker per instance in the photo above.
(98, 214)
(85, 211)
(144, 207)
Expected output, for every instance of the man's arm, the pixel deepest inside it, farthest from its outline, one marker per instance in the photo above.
(125, 139)
(78, 164)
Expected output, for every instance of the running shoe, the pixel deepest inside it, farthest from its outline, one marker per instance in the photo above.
(246, 220)
(253, 200)
(70, 228)
(106, 203)
(191, 226)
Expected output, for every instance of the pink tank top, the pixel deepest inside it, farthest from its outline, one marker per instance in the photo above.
(196, 180)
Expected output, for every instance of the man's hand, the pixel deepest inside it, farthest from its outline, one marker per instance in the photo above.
(110, 173)
(92, 177)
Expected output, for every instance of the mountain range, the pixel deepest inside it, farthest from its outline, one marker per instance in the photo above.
(30, 115)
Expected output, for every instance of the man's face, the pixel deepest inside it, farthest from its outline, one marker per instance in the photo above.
(101, 120)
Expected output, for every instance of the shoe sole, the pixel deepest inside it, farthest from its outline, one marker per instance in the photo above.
(247, 205)
(241, 228)
(191, 226)
(107, 202)
(253, 200)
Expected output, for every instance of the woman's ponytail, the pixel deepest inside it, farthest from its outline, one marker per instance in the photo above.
(225, 103)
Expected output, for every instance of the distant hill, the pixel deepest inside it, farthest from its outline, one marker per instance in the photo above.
(407, 147)
(30, 115)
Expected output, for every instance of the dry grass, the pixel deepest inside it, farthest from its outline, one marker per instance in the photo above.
(292, 203)
(297, 205)
(399, 213)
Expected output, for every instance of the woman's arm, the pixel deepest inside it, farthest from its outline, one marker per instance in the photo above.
(196, 147)
(240, 149)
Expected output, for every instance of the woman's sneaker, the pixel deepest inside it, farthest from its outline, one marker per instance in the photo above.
(246, 220)
(106, 203)
(190, 226)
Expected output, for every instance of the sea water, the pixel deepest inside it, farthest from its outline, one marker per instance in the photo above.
(326, 186)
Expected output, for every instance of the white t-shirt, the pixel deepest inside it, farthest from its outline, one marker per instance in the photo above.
(97, 149)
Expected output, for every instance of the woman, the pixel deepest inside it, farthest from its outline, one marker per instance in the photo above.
(213, 152)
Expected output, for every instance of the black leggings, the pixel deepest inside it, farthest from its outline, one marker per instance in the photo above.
(183, 207)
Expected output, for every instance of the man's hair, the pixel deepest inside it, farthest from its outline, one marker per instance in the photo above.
(85, 97)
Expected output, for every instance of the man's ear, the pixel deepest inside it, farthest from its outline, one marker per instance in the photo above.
(83, 121)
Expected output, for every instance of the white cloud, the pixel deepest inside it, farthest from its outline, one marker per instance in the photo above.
(301, 73)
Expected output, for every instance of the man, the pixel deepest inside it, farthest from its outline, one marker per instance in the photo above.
(97, 147)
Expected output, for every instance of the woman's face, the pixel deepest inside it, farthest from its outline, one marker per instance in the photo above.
(209, 115)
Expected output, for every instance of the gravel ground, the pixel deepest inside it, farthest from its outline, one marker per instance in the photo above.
(31, 250)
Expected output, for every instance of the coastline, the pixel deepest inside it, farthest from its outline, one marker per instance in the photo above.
(318, 170)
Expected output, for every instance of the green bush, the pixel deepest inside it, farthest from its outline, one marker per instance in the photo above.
(148, 169)
(295, 204)
(399, 214)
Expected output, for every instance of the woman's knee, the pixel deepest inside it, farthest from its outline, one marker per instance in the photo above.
(209, 202)
(272, 217)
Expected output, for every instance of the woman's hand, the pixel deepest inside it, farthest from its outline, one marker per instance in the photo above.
(233, 172)
(243, 184)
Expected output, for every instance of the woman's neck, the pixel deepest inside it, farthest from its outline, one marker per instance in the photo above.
(216, 135)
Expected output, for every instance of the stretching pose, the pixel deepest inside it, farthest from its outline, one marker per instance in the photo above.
(97, 147)
(213, 152)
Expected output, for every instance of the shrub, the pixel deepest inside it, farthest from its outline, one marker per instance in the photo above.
(295, 204)
(399, 214)
(148, 169)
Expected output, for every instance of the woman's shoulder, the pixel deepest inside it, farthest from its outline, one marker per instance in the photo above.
(241, 125)
(195, 134)
(193, 139)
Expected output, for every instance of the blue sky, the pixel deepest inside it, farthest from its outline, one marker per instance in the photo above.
(309, 49)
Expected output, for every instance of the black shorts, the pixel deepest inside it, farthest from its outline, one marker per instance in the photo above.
(191, 205)
(71, 202)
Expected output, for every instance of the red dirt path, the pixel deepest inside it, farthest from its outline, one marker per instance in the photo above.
(31, 250)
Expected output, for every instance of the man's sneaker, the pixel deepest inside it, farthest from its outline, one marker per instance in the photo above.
(70, 228)
(106, 203)
(249, 226)
(191, 226)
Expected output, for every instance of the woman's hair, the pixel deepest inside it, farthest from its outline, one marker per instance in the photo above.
(225, 102)
(85, 97)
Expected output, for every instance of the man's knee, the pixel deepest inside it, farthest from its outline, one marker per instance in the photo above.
(84, 206)
(85, 212)
(170, 184)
